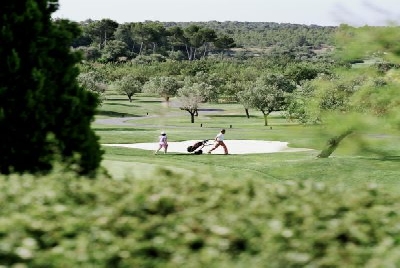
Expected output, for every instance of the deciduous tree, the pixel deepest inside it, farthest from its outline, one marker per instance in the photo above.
(114, 50)
(189, 99)
(94, 82)
(128, 85)
(265, 97)
(165, 86)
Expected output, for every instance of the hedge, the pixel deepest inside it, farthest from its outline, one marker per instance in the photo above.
(171, 220)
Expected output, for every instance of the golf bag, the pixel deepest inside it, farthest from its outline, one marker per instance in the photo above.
(197, 147)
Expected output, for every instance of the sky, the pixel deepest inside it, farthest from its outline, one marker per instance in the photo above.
(318, 12)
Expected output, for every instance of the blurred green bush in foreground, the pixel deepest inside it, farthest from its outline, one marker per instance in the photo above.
(174, 221)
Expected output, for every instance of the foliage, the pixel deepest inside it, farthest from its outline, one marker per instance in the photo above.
(90, 53)
(114, 50)
(302, 72)
(93, 81)
(171, 220)
(146, 59)
(197, 40)
(266, 94)
(101, 31)
(224, 42)
(128, 85)
(207, 84)
(299, 107)
(196, 37)
(267, 34)
(190, 96)
(368, 42)
(360, 97)
(164, 86)
(45, 115)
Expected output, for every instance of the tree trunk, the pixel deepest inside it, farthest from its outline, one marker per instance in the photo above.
(247, 112)
(141, 48)
(265, 119)
(191, 117)
(332, 144)
(222, 54)
(194, 54)
(187, 52)
(166, 98)
(205, 50)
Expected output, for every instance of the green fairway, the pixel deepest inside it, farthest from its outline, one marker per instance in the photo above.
(146, 116)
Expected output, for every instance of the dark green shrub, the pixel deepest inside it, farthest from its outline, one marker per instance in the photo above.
(44, 115)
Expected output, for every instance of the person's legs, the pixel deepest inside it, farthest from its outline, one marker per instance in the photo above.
(215, 147)
(159, 148)
(225, 148)
(165, 148)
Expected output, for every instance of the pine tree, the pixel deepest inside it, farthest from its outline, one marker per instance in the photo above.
(45, 115)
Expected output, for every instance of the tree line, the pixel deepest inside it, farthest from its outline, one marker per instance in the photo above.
(262, 83)
(107, 41)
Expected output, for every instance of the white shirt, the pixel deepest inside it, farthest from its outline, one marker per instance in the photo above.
(220, 137)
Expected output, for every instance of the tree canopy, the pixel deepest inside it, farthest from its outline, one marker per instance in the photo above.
(45, 115)
(358, 97)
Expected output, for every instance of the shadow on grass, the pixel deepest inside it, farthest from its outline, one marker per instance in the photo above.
(394, 158)
(210, 110)
(130, 104)
(120, 129)
(150, 101)
(161, 153)
(389, 158)
(116, 114)
(117, 99)
(233, 116)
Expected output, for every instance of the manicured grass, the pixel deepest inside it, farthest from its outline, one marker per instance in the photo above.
(348, 164)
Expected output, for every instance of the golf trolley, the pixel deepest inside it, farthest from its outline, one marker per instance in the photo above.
(197, 147)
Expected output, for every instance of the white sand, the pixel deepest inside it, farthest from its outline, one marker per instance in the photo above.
(234, 147)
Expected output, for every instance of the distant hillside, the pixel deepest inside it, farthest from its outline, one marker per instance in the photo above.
(108, 41)
(267, 34)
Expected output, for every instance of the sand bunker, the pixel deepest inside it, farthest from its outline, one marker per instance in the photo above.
(234, 147)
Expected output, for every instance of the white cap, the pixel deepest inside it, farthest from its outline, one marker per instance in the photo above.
(162, 132)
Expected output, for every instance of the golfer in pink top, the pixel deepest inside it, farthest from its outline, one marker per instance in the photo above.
(219, 141)
(162, 142)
